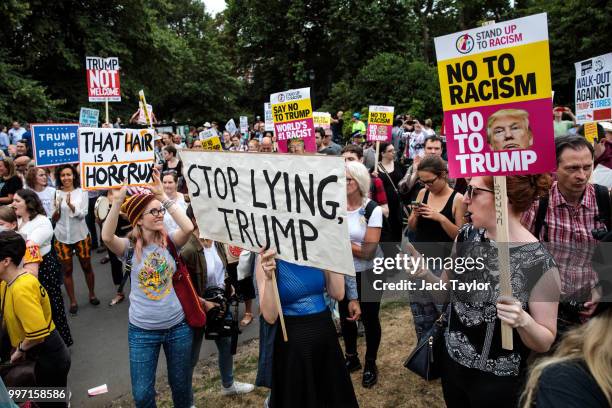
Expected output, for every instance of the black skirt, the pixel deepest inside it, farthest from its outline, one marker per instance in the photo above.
(309, 370)
(50, 276)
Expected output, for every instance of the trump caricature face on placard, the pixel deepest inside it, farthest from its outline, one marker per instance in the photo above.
(509, 129)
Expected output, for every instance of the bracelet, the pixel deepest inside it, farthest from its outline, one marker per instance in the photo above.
(168, 203)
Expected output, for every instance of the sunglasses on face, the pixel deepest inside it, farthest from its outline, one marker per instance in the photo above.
(156, 212)
(471, 191)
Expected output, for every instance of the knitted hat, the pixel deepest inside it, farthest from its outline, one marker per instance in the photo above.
(135, 205)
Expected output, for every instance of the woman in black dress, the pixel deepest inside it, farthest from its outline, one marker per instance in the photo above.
(391, 172)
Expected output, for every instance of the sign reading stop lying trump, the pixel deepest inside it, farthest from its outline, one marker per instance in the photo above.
(496, 95)
(295, 204)
(109, 156)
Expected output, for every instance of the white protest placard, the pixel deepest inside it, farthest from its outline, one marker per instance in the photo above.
(103, 79)
(207, 133)
(269, 123)
(295, 204)
(108, 156)
(89, 117)
(244, 124)
(593, 97)
(230, 126)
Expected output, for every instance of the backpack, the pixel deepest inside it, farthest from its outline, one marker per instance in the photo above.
(385, 233)
(604, 208)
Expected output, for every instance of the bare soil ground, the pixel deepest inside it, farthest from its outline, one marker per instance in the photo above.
(397, 387)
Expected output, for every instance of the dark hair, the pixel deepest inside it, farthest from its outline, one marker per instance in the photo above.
(75, 177)
(172, 173)
(523, 191)
(383, 148)
(358, 150)
(320, 131)
(191, 215)
(171, 149)
(33, 204)
(433, 164)
(571, 142)
(433, 138)
(268, 133)
(12, 245)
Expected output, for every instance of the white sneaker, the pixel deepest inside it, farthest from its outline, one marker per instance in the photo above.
(237, 388)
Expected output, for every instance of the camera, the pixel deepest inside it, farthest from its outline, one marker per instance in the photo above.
(599, 233)
(220, 321)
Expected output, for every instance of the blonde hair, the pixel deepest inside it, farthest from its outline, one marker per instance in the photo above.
(585, 343)
(520, 114)
(136, 237)
(360, 174)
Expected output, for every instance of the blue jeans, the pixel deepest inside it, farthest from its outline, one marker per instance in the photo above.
(226, 359)
(144, 354)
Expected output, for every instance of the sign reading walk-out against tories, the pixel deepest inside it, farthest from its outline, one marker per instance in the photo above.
(103, 79)
(295, 204)
(109, 156)
(496, 96)
(293, 122)
(55, 143)
(269, 122)
(593, 97)
(380, 123)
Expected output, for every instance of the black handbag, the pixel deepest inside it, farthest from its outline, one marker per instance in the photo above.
(425, 359)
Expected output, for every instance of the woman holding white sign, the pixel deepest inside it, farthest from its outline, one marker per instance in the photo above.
(308, 369)
(71, 232)
(476, 370)
(156, 317)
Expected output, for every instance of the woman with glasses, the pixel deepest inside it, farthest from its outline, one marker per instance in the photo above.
(436, 218)
(391, 173)
(156, 317)
(476, 370)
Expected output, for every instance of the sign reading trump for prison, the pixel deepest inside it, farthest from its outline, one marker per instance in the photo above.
(496, 95)
(109, 156)
(55, 143)
(103, 79)
(295, 204)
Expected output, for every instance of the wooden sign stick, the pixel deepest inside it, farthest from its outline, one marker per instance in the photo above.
(503, 252)
(278, 306)
(376, 158)
(106, 108)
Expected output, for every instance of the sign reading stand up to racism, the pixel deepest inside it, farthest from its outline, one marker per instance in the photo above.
(109, 156)
(496, 95)
(380, 123)
(293, 122)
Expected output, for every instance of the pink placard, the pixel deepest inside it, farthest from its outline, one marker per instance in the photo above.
(302, 129)
(521, 139)
(379, 133)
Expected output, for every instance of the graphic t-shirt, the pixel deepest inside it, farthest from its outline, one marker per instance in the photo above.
(153, 302)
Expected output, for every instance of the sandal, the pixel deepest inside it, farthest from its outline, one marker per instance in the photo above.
(73, 309)
(119, 297)
(246, 319)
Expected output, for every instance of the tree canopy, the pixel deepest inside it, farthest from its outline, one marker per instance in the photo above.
(195, 67)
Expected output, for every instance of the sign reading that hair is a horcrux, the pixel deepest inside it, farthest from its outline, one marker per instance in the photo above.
(295, 204)
(111, 156)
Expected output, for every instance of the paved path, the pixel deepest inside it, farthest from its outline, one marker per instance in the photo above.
(100, 350)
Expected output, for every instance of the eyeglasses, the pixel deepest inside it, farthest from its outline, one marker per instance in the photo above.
(156, 212)
(471, 191)
(429, 182)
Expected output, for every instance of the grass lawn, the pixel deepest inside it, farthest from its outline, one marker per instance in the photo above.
(397, 387)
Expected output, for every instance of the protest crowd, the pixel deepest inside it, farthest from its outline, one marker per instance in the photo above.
(184, 287)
